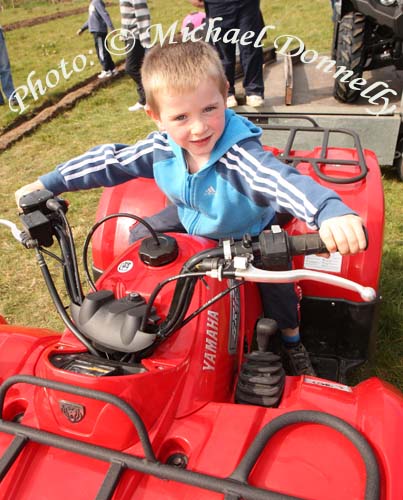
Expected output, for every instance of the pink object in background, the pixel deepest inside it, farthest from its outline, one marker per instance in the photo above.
(193, 20)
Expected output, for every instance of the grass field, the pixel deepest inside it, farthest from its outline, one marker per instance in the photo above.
(103, 118)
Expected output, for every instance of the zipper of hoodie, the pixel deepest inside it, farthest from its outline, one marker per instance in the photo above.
(189, 182)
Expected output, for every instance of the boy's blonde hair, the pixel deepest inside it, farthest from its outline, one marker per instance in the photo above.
(181, 67)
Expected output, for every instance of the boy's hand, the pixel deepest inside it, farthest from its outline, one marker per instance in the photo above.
(344, 234)
(27, 189)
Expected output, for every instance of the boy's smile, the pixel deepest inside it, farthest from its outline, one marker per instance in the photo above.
(194, 119)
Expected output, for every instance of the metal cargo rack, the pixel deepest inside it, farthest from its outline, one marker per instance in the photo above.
(293, 133)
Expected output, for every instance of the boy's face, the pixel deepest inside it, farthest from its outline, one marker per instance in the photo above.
(195, 120)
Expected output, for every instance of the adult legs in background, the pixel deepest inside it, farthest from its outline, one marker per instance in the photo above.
(134, 60)
(5, 70)
(245, 16)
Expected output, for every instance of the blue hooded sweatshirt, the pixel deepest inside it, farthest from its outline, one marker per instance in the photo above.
(98, 18)
(237, 191)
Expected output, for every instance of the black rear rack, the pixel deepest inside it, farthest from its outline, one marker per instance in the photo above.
(234, 487)
(263, 119)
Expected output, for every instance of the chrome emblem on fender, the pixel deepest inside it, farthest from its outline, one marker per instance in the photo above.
(74, 412)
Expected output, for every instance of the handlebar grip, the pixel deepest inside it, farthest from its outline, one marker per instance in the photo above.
(306, 244)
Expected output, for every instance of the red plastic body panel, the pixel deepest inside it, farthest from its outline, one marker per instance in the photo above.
(199, 344)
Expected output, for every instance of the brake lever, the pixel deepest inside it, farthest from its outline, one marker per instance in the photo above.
(251, 273)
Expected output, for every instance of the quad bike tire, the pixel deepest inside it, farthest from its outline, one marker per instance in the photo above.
(350, 52)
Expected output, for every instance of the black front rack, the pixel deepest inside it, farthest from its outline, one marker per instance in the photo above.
(263, 120)
(234, 487)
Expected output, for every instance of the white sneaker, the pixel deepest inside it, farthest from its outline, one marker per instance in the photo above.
(115, 72)
(231, 101)
(105, 74)
(136, 107)
(254, 100)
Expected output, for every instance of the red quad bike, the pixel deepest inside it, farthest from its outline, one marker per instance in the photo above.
(162, 387)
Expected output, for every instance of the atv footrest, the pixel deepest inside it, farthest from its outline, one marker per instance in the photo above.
(332, 368)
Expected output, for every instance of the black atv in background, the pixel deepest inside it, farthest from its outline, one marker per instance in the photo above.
(368, 34)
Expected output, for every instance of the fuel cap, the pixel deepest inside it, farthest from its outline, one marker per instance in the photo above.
(158, 255)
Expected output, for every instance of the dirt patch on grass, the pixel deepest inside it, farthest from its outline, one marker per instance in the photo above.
(44, 19)
(52, 110)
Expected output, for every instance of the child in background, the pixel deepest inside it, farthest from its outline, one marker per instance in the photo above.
(98, 23)
(211, 165)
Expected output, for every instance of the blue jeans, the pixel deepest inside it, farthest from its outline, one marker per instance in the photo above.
(5, 70)
(245, 16)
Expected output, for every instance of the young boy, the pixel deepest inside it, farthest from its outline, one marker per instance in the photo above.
(98, 23)
(211, 165)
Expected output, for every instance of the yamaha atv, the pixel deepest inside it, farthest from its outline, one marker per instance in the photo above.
(164, 385)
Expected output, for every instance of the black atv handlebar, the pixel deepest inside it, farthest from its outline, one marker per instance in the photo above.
(306, 244)
(277, 248)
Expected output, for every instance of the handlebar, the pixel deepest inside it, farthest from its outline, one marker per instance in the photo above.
(274, 249)
(307, 244)
(277, 247)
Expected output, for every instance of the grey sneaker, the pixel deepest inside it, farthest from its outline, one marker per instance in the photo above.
(297, 361)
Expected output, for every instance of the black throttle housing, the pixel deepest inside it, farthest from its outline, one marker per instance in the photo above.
(37, 216)
(277, 248)
(274, 250)
(36, 200)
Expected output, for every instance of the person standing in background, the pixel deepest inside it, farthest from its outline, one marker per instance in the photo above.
(98, 23)
(5, 72)
(135, 23)
(244, 15)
